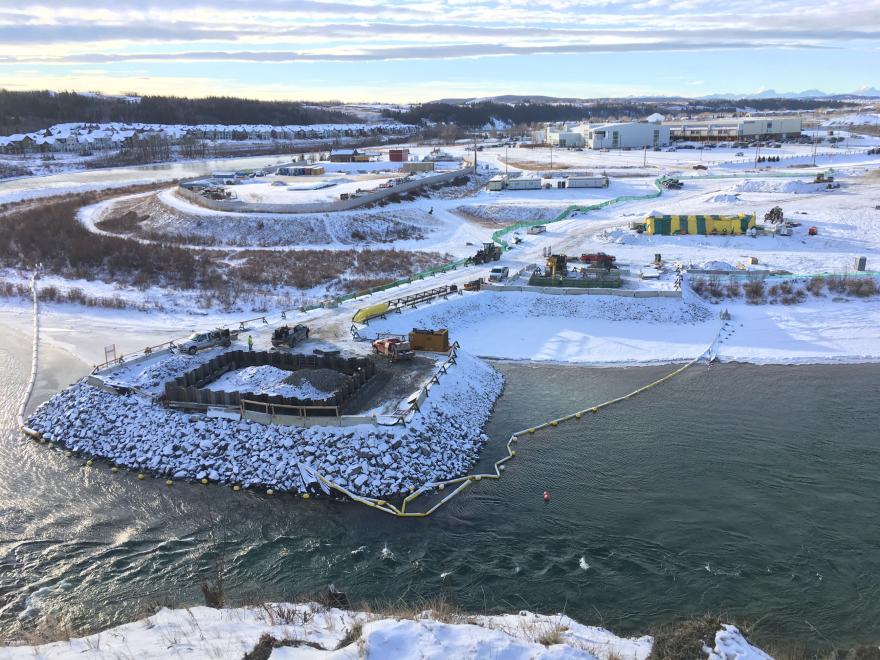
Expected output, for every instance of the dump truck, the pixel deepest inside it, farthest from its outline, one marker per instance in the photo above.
(599, 259)
(473, 285)
(394, 348)
(289, 337)
(199, 341)
(489, 252)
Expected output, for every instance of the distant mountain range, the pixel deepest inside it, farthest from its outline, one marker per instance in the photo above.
(864, 92)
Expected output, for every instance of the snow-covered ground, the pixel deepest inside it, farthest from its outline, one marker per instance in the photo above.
(201, 632)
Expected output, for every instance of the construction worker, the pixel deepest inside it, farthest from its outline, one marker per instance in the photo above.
(250, 343)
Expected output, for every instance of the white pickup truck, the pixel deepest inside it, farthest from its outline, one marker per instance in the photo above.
(498, 274)
(199, 341)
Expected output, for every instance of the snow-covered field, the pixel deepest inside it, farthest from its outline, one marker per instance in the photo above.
(202, 632)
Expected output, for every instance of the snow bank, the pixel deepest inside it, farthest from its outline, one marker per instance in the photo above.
(201, 632)
(731, 645)
(441, 442)
(580, 328)
(722, 198)
(771, 186)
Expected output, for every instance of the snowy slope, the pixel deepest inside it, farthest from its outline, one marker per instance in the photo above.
(201, 632)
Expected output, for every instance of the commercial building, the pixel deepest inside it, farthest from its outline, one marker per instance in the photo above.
(735, 129)
(398, 155)
(708, 225)
(626, 135)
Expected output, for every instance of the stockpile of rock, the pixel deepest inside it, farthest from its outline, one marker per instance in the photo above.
(442, 441)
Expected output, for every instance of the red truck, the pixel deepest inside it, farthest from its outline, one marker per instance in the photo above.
(599, 259)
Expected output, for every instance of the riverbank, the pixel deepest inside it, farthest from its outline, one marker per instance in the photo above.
(285, 631)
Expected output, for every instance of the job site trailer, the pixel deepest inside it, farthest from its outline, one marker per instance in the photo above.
(587, 182)
(496, 183)
(707, 225)
(524, 183)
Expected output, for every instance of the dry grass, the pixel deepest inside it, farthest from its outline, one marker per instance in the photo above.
(685, 640)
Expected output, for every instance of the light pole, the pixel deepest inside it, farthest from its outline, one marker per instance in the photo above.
(505, 161)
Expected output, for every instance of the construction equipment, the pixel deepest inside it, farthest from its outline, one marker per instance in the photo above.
(557, 266)
(394, 348)
(290, 337)
(813, 231)
(672, 184)
(436, 341)
(821, 177)
(774, 216)
(473, 285)
(489, 252)
(599, 259)
(199, 341)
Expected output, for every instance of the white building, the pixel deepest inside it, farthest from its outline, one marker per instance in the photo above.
(625, 135)
(735, 128)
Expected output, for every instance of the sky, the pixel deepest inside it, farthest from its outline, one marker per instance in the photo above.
(403, 51)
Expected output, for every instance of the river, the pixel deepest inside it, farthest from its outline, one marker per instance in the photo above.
(739, 489)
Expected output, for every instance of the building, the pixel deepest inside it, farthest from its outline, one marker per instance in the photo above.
(708, 225)
(398, 155)
(523, 183)
(566, 139)
(625, 135)
(345, 156)
(496, 183)
(586, 181)
(735, 129)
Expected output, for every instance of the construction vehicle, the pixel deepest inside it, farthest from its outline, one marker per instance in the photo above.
(436, 341)
(473, 285)
(813, 231)
(199, 341)
(599, 259)
(289, 337)
(821, 177)
(394, 348)
(672, 184)
(489, 252)
(774, 216)
(557, 266)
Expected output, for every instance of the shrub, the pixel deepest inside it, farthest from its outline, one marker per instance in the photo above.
(715, 288)
(815, 285)
(754, 291)
(685, 641)
(863, 287)
(734, 289)
(837, 283)
(698, 285)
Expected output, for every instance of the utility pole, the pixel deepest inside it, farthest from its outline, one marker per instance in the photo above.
(757, 149)
(505, 161)
(551, 156)
(645, 159)
(814, 149)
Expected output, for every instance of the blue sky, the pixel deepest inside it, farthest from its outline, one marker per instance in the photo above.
(416, 50)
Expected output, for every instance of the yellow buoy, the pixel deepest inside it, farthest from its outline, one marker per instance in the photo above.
(141, 476)
(236, 488)
(168, 482)
(68, 454)
(477, 478)
(577, 415)
(114, 469)
(270, 492)
(441, 487)
(513, 452)
(554, 423)
(305, 496)
(89, 462)
(595, 410)
(204, 482)
(531, 430)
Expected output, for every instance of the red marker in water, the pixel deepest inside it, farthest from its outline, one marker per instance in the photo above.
(546, 495)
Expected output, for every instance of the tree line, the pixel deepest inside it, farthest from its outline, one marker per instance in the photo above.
(28, 111)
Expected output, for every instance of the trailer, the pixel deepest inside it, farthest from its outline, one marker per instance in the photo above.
(289, 337)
